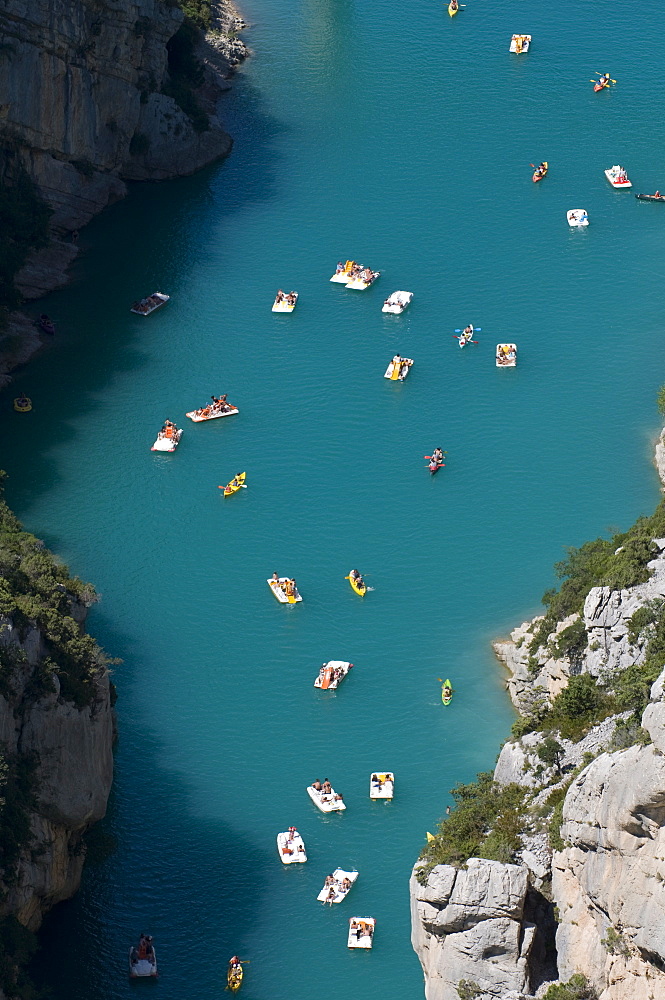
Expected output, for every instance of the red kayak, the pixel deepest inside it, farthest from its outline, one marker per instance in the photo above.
(601, 86)
(540, 172)
(434, 466)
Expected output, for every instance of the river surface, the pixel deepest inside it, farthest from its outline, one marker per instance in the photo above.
(403, 139)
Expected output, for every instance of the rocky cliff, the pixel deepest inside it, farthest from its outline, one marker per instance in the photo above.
(588, 763)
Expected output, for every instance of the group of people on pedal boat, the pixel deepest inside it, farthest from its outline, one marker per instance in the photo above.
(218, 405)
(326, 789)
(505, 354)
(336, 674)
(169, 430)
(290, 842)
(144, 951)
(361, 928)
(288, 586)
(401, 364)
(147, 304)
(336, 888)
(354, 271)
(289, 298)
(379, 780)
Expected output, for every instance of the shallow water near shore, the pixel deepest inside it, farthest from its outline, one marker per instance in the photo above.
(402, 140)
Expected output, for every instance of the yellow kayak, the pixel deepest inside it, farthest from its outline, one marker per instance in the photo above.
(358, 585)
(236, 483)
(452, 10)
(234, 979)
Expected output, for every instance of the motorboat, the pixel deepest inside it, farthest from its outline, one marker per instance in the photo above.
(344, 271)
(285, 302)
(285, 590)
(381, 785)
(332, 674)
(506, 355)
(213, 410)
(618, 177)
(144, 307)
(22, 404)
(520, 43)
(337, 886)
(362, 279)
(540, 172)
(651, 197)
(327, 802)
(397, 302)
(357, 583)
(398, 368)
(143, 959)
(237, 483)
(577, 217)
(168, 438)
(361, 932)
(291, 847)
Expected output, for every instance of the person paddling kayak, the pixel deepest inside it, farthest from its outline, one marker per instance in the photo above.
(437, 456)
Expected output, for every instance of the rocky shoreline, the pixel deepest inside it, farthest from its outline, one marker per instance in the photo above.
(584, 894)
(102, 116)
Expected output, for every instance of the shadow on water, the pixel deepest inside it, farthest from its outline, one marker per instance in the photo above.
(151, 827)
(150, 240)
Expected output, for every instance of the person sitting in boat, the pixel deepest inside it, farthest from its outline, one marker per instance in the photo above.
(329, 880)
(290, 588)
(316, 785)
(447, 691)
(357, 578)
(346, 884)
(454, 5)
(340, 267)
(235, 481)
(604, 79)
(330, 898)
(657, 194)
(280, 295)
(235, 965)
(327, 787)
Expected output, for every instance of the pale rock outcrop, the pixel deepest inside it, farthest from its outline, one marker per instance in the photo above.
(469, 924)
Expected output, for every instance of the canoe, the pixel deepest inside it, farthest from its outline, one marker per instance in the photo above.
(520, 43)
(618, 177)
(340, 893)
(381, 785)
(234, 979)
(538, 177)
(150, 304)
(331, 674)
(506, 355)
(291, 847)
(446, 700)
(327, 803)
(360, 586)
(577, 217)
(234, 486)
(650, 197)
(452, 10)
(280, 592)
(361, 932)
(283, 306)
(209, 413)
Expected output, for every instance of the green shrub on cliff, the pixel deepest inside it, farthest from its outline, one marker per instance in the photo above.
(577, 988)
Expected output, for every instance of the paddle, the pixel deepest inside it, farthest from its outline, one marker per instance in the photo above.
(476, 329)
(241, 485)
(430, 457)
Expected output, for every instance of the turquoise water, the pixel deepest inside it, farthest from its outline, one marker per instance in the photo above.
(401, 138)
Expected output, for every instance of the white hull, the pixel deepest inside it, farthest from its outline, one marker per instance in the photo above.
(153, 307)
(291, 848)
(167, 443)
(397, 302)
(577, 217)
(279, 593)
(341, 277)
(198, 419)
(360, 284)
(330, 682)
(338, 875)
(326, 803)
(285, 307)
(142, 968)
(365, 938)
(526, 42)
(612, 175)
(405, 368)
(384, 788)
(506, 355)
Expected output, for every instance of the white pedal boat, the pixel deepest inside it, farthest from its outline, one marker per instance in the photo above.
(363, 279)
(398, 368)
(506, 355)
(278, 588)
(141, 968)
(150, 304)
(397, 302)
(168, 438)
(361, 932)
(211, 413)
(332, 674)
(577, 217)
(291, 847)
(618, 177)
(337, 886)
(520, 43)
(327, 802)
(381, 785)
(344, 271)
(283, 305)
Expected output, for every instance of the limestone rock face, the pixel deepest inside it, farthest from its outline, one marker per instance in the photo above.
(470, 925)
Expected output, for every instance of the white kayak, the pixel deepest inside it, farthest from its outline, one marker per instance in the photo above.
(363, 280)
(381, 785)
(618, 177)
(361, 932)
(331, 674)
(337, 886)
(465, 338)
(150, 304)
(140, 968)
(285, 304)
(577, 217)
(168, 440)
(280, 590)
(398, 368)
(520, 43)
(211, 413)
(291, 847)
(397, 302)
(344, 271)
(327, 802)
(506, 355)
